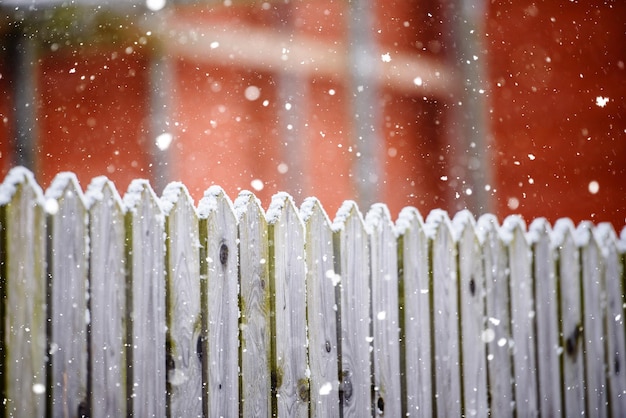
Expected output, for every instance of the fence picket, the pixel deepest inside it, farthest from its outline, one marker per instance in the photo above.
(321, 310)
(218, 232)
(145, 231)
(571, 314)
(497, 299)
(23, 290)
(415, 304)
(385, 314)
(474, 332)
(614, 328)
(184, 327)
(67, 301)
(522, 317)
(288, 278)
(107, 300)
(445, 315)
(156, 308)
(594, 300)
(352, 258)
(546, 319)
(255, 307)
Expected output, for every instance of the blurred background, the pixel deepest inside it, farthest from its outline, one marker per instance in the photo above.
(495, 106)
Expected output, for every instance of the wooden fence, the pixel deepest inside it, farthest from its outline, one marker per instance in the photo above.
(149, 306)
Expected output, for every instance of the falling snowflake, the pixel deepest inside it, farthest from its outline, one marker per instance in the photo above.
(601, 101)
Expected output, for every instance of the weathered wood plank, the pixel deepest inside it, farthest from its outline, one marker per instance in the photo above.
(107, 300)
(546, 319)
(255, 307)
(416, 337)
(444, 301)
(321, 285)
(145, 247)
(23, 292)
(218, 234)
(615, 338)
(475, 333)
(288, 278)
(594, 300)
(499, 361)
(352, 253)
(522, 317)
(184, 327)
(571, 314)
(385, 320)
(67, 270)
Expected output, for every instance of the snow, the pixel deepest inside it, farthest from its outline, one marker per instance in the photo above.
(377, 216)
(164, 140)
(407, 216)
(64, 184)
(209, 202)
(252, 93)
(435, 219)
(602, 101)
(606, 236)
(135, 190)
(593, 187)
(538, 227)
(462, 220)
(343, 214)
(279, 202)
(562, 228)
(172, 193)
(507, 230)
(583, 234)
(309, 206)
(486, 223)
(95, 192)
(240, 206)
(19, 175)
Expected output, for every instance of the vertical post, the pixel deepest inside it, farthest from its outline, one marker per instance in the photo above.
(364, 94)
(470, 135)
(292, 95)
(23, 53)
(160, 129)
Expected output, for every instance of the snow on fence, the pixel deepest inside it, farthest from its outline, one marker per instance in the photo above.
(149, 306)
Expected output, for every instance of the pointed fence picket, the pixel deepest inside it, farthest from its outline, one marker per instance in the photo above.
(150, 306)
(67, 300)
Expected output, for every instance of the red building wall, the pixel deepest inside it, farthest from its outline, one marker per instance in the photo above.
(555, 151)
(558, 151)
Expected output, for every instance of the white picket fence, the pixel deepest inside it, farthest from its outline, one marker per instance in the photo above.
(149, 306)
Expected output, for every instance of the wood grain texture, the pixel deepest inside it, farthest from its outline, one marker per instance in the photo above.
(67, 269)
(547, 322)
(321, 283)
(499, 349)
(222, 308)
(352, 252)
(107, 285)
(255, 308)
(571, 314)
(615, 339)
(184, 362)
(522, 320)
(445, 316)
(288, 278)
(594, 300)
(23, 289)
(474, 331)
(416, 308)
(385, 313)
(145, 242)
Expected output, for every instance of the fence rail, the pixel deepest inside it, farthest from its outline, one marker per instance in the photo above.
(150, 306)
